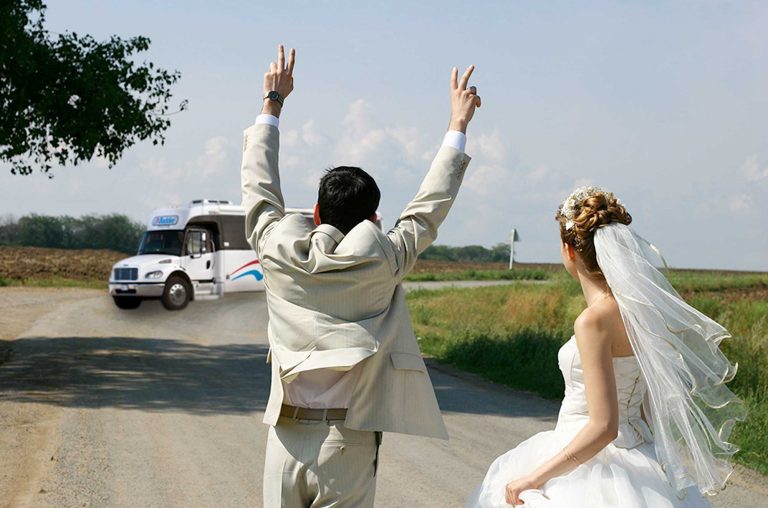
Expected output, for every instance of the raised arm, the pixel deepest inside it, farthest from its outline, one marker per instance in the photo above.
(416, 228)
(259, 174)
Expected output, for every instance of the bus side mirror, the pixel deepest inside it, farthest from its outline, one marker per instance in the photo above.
(203, 243)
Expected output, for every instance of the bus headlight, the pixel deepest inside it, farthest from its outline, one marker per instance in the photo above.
(154, 275)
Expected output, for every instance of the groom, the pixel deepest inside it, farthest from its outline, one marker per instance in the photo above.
(345, 362)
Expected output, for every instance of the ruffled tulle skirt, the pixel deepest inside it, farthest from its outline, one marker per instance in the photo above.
(615, 477)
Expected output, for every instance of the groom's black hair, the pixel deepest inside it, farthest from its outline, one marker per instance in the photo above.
(347, 196)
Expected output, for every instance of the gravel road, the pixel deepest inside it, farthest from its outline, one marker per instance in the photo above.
(101, 407)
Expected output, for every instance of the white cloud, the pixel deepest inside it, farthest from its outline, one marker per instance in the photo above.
(491, 180)
(540, 173)
(741, 204)
(488, 146)
(159, 169)
(752, 169)
(410, 141)
(357, 117)
(365, 143)
(310, 134)
(215, 157)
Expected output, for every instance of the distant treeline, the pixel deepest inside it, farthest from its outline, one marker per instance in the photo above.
(475, 253)
(120, 233)
(115, 232)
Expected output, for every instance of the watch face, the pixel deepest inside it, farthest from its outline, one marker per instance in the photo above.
(273, 95)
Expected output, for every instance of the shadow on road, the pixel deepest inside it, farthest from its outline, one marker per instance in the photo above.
(459, 392)
(175, 375)
(136, 373)
(168, 365)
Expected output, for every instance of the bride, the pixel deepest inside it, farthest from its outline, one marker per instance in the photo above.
(646, 413)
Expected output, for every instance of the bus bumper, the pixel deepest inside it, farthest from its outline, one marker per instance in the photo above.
(138, 289)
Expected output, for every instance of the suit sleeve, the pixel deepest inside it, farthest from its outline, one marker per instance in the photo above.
(260, 183)
(416, 228)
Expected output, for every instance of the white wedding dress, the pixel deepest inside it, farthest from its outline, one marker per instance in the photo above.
(624, 474)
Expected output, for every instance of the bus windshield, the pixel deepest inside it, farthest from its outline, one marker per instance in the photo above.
(162, 242)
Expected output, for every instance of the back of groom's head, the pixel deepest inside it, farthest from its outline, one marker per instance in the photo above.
(347, 196)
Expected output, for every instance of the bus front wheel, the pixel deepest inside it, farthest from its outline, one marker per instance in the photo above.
(177, 293)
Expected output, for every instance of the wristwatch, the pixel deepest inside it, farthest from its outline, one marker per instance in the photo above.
(274, 96)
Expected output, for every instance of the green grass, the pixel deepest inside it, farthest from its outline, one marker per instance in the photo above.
(474, 274)
(699, 282)
(511, 334)
(529, 352)
(56, 282)
(685, 281)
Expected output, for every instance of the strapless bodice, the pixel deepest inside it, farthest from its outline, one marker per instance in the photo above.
(630, 389)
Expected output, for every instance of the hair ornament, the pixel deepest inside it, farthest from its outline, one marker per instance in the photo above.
(572, 203)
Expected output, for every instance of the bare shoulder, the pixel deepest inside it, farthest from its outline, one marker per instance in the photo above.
(589, 329)
(597, 316)
(601, 326)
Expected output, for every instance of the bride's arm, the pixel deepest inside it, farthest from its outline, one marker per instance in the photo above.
(594, 343)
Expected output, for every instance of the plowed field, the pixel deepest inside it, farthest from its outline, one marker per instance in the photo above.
(35, 263)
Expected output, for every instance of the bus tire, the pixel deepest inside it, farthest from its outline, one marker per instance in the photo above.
(177, 293)
(127, 302)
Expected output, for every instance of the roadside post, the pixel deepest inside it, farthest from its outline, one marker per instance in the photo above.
(514, 237)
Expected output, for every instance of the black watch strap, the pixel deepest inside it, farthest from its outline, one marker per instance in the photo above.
(274, 96)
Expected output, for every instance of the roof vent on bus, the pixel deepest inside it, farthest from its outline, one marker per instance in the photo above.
(211, 201)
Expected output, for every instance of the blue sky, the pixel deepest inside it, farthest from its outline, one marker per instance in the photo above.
(665, 103)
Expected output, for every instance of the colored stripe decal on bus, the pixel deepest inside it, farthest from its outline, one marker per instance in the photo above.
(257, 274)
(254, 262)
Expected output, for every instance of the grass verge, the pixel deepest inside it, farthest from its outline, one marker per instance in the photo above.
(475, 274)
(511, 334)
(56, 282)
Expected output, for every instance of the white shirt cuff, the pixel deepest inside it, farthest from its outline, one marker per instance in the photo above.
(270, 120)
(455, 139)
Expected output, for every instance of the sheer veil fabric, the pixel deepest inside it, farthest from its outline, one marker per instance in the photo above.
(689, 406)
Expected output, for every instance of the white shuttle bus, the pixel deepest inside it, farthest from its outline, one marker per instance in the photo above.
(193, 252)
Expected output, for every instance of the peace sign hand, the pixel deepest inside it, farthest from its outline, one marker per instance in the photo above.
(279, 78)
(464, 100)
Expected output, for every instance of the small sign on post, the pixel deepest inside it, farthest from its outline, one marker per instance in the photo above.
(514, 237)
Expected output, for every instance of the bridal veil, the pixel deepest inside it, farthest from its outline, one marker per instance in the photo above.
(689, 406)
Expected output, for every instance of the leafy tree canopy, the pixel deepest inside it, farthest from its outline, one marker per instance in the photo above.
(68, 98)
(115, 232)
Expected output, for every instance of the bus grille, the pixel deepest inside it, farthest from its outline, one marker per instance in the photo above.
(126, 273)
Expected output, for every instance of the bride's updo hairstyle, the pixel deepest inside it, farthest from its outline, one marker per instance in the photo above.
(585, 210)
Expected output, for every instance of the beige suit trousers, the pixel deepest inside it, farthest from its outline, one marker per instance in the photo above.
(319, 464)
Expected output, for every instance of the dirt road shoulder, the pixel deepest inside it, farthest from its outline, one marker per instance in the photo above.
(27, 436)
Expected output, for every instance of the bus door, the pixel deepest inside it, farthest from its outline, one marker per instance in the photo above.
(198, 256)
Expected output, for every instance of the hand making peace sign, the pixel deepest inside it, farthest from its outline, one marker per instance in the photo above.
(278, 82)
(463, 100)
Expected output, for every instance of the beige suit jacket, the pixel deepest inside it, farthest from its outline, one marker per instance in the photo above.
(335, 300)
